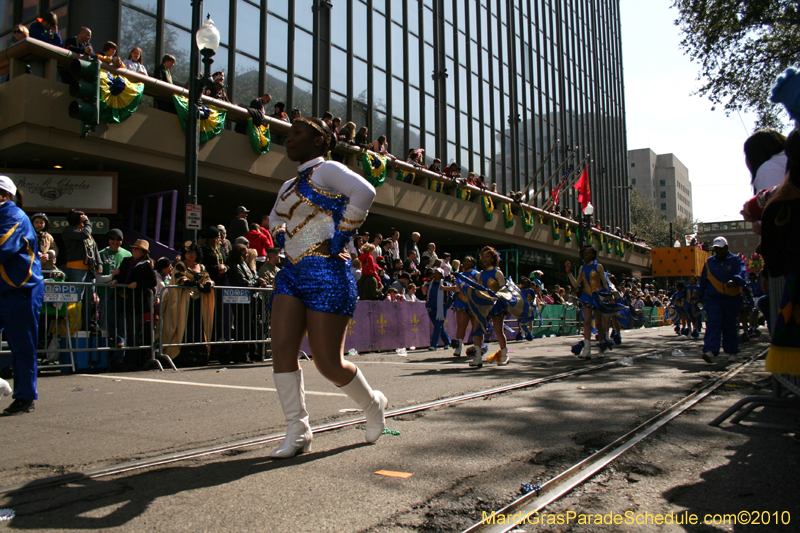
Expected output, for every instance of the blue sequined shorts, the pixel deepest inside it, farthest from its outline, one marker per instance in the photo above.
(323, 284)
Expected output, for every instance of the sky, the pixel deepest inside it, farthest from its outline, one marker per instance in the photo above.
(664, 115)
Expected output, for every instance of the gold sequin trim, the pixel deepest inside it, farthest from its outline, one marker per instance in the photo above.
(320, 191)
(311, 252)
(350, 221)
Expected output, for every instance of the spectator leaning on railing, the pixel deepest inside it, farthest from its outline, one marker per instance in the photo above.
(46, 29)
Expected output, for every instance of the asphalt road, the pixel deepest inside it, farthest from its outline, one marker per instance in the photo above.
(463, 457)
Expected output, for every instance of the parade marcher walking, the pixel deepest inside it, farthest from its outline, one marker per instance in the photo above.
(314, 217)
(21, 295)
(721, 282)
(437, 304)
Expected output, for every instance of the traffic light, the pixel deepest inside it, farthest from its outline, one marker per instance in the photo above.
(85, 86)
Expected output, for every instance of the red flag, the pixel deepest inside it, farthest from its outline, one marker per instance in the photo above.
(584, 194)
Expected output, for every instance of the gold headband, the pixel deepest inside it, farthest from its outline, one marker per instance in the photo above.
(314, 125)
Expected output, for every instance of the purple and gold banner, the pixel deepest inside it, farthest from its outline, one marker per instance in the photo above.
(381, 326)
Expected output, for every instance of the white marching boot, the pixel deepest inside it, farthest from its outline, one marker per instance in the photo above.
(293, 401)
(459, 346)
(5, 388)
(372, 402)
(586, 353)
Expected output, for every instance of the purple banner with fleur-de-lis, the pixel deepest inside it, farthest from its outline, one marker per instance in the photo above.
(383, 326)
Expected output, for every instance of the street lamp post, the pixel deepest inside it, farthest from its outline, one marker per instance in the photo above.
(207, 39)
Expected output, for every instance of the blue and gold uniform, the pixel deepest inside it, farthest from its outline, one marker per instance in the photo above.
(21, 294)
(313, 224)
(460, 303)
(722, 303)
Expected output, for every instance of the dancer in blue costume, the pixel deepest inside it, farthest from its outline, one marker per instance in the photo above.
(694, 305)
(595, 298)
(680, 308)
(530, 312)
(315, 216)
(463, 314)
(479, 295)
(492, 278)
(21, 295)
(721, 283)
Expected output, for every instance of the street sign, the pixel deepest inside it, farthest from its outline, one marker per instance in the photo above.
(236, 296)
(56, 292)
(194, 216)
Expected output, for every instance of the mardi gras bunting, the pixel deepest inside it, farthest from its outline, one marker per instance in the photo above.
(374, 167)
(405, 177)
(463, 194)
(260, 137)
(508, 216)
(527, 220)
(119, 97)
(488, 208)
(435, 185)
(554, 229)
(567, 233)
(211, 120)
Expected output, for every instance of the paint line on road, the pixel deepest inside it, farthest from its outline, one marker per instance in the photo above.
(212, 385)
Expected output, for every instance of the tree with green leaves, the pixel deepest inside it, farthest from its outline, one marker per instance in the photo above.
(742, 46)
(650, 224)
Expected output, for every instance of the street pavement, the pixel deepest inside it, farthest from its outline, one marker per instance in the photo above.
(84, 422)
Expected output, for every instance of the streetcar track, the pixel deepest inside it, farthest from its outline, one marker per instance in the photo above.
(195, 453)
(533, 502)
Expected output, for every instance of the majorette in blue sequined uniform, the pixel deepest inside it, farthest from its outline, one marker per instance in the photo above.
(307, 217)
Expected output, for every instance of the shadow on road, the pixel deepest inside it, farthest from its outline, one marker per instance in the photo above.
(100, 504)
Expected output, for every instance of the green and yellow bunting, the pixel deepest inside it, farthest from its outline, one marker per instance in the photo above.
(463, 194)
(589, 238)
(554, 229)
(540, 217)
(374, 166)
(608, 246)
(405, 177)
(567, 233)
(210, 122)
(435, 185)
(508, 216)
(260, 137)
(620, 248)
(527, 220)
(119, 97)
(488, 208)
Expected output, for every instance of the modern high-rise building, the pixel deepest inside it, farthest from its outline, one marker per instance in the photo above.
(663, 180)
(489, 84)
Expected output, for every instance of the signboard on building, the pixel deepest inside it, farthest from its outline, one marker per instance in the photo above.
(60, 191)
(100, 225)
(194, 216)
(539, 258)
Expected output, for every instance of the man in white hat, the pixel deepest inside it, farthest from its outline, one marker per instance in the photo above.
(721, 282)
(21, 294)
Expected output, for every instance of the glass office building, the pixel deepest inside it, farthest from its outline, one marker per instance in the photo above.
(489, 84)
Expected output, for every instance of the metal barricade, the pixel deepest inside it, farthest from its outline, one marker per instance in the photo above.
(85, 327)
(229, 324)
